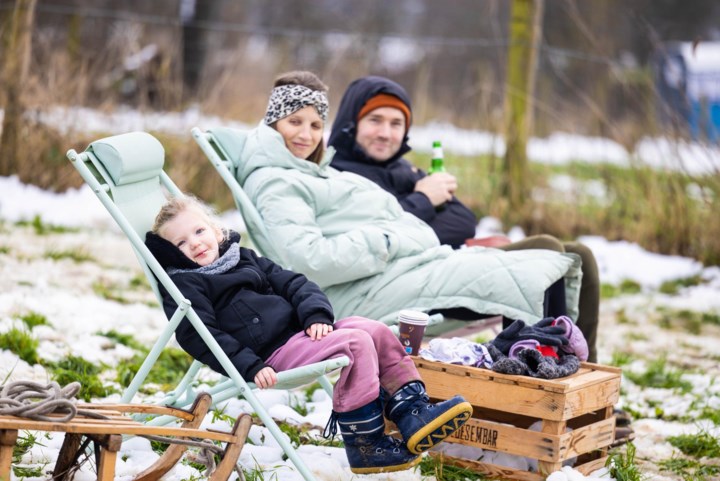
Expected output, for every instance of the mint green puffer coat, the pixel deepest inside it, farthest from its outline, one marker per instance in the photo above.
(370, 256)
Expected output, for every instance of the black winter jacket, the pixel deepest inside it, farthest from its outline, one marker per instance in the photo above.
(453, 222)
(251, 310)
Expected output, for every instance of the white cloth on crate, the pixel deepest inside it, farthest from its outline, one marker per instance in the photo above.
(457, 351)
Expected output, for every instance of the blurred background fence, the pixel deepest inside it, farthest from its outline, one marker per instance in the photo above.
(611, 68)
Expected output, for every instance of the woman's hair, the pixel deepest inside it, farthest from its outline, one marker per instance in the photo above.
(313, 82)
(178, 204)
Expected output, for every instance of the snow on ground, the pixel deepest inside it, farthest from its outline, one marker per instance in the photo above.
(64, 291)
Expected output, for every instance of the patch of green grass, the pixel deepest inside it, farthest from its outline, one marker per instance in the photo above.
(700, 445)
(75, 255)
(139, 281)
(167, 371)
(691, 321)
(296, 404)
(673, 287)
(433, 466)
(627, 286)
(20, 342)
(124, 339)
(28, 472)
(159, 447)
(711, 414)
(74, 368)
(622, 317)
(711, 318)
(659, 375)
(621, 358)
(4, 250)
(261, 473)
(219, 415)
(689, 469)
(109, 291)
(622, 465)
(42, 228)
(310, 391)
(24, 443)
(636, 336)
(32, 319)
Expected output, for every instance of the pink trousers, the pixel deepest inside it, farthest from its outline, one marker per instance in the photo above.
(376, 359)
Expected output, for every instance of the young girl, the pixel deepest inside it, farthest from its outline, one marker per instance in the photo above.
(269, 319)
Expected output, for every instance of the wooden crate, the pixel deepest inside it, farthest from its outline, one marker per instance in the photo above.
(505, 406)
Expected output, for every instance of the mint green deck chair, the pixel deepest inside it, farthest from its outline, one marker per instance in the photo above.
(221, 146)
(126, 173)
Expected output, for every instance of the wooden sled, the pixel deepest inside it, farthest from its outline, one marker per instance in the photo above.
(107, 435)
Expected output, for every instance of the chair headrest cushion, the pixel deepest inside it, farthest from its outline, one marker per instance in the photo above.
(130, 157)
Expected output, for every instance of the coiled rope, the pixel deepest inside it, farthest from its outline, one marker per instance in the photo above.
(36, 401)
(32, 400)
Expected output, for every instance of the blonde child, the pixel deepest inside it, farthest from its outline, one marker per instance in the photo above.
(269, 319)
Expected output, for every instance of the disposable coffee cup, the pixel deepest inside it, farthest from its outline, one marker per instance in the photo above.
(411, 327)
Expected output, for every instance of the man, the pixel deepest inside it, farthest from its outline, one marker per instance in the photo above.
(370, 135)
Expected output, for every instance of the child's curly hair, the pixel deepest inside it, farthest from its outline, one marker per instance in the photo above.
(178, 204)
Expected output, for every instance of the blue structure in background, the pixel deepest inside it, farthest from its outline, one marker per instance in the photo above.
(688, 81)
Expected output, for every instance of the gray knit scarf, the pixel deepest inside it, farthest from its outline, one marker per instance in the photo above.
(222, 264)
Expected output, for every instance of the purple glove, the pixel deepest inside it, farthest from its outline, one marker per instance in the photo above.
(520, 345)
(576, 340)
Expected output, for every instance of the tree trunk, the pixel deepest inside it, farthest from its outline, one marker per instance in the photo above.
(15, 71)
(525, 33)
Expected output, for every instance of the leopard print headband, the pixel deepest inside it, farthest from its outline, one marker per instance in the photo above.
(288, 99)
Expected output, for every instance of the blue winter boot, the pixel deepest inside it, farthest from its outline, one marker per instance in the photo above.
(368, 449)
(421, 423)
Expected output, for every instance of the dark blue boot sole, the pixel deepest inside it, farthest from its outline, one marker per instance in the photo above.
(387, 469)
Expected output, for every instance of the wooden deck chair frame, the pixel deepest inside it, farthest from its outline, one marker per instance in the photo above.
(227, 168)
(125, 172)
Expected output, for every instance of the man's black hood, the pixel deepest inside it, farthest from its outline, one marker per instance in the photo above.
(342, 136)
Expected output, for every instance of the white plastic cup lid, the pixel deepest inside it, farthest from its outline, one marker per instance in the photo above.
(417, 318)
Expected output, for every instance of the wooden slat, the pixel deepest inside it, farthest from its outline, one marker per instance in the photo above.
(106, 428)
(8, 438)
(493, 471)
(232, 450)
(141, 409)
(587, 438)
(508, 439)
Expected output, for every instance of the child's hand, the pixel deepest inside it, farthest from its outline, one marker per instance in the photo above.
(266, 378)
(318, 331)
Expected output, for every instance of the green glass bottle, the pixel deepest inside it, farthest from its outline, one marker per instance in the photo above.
(437, 164)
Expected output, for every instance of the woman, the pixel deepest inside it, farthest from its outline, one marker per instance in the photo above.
(354, 239)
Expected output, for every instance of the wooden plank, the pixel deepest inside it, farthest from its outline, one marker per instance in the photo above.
(8, 438)
(493, 471)
(493, 395)
(175, 451)
(591, 466)
(100, 428)
(553, 428)
(232, 451)
(508, 439)
(106, 465)
(587, 375)
(140, 409)
(588, 438)
(593, 398)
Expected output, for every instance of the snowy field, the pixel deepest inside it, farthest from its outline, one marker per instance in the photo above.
(33, 280)
(652, 331)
